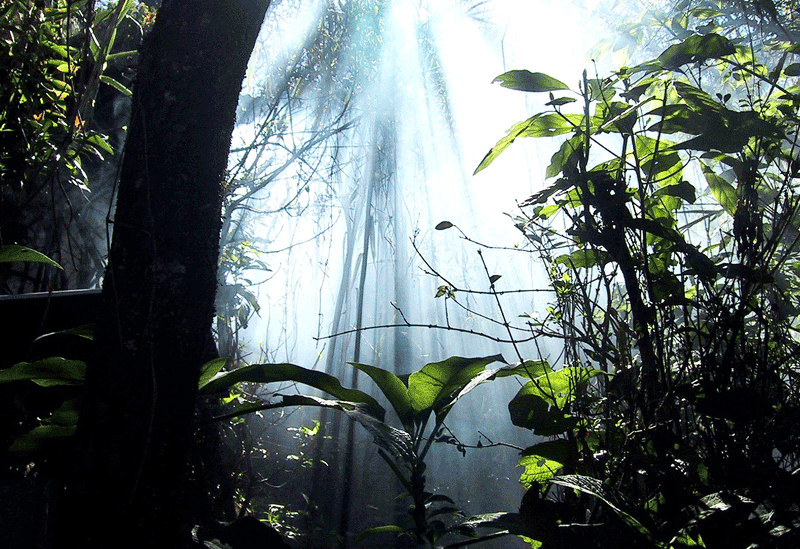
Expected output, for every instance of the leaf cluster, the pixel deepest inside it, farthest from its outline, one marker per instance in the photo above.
(669, 224)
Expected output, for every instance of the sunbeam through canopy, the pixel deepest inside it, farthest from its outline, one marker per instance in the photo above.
(359, 128)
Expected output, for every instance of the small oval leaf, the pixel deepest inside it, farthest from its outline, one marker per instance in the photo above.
(443, 225)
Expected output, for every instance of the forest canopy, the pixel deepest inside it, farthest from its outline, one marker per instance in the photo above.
(665, 222)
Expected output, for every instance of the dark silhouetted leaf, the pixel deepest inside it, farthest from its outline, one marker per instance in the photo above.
(434, 498)
(527, 81)
(561, 101)
(389, 528)
(695, 49)
(792, 70)
(271, 373)
(584, 258)
(683, 190)
(533, 412)
(443, 225)
(597, 489)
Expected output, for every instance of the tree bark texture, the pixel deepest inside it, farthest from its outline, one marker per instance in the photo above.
(136, 435)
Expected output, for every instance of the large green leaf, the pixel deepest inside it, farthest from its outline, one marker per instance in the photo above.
(557, 388)
(721, 189)
(530, 369)
(58, 427)
(47, 372)
(695, 49)
(533, 412)
(523, 80)
(543, 461)
(389, 528)
(272, 373)
(583, 258)
(567, 158)
(209, 370)
(65, 415)
(683, 190)
(438, 384)
(39, 437)
(538, 125)
(12, 253)
(395, 391)
(539, 405)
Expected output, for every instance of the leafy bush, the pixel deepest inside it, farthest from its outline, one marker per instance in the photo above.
(670, 226)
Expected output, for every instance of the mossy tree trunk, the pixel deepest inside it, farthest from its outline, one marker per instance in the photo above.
(135, 484)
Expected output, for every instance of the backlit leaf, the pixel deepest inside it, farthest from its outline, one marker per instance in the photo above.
(12, 253)
(539, 467)
(437, 385)
(539, 125)
(392, 388)
(46, 372)
(40, 437)
(523, 80)
(272, 373)
(209, 370)
(721, 189)
(116, 85)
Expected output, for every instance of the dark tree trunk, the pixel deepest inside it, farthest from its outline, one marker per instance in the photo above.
(135, 480)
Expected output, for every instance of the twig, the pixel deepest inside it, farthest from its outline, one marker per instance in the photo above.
(429, 326)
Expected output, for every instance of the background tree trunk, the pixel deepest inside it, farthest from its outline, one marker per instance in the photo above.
(135, 481)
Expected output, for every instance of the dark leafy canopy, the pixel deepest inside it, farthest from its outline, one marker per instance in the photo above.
(672, 203)
(62, 109)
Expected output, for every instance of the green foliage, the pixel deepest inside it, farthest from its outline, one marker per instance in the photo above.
(66, 66)
(427, 393)
(60, 426)
(46, 372)
(12, 253)
(43, 123)
(674, 203)
(529, 81)
(271, 373)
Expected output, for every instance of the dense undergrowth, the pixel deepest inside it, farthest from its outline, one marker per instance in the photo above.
(669, 227)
